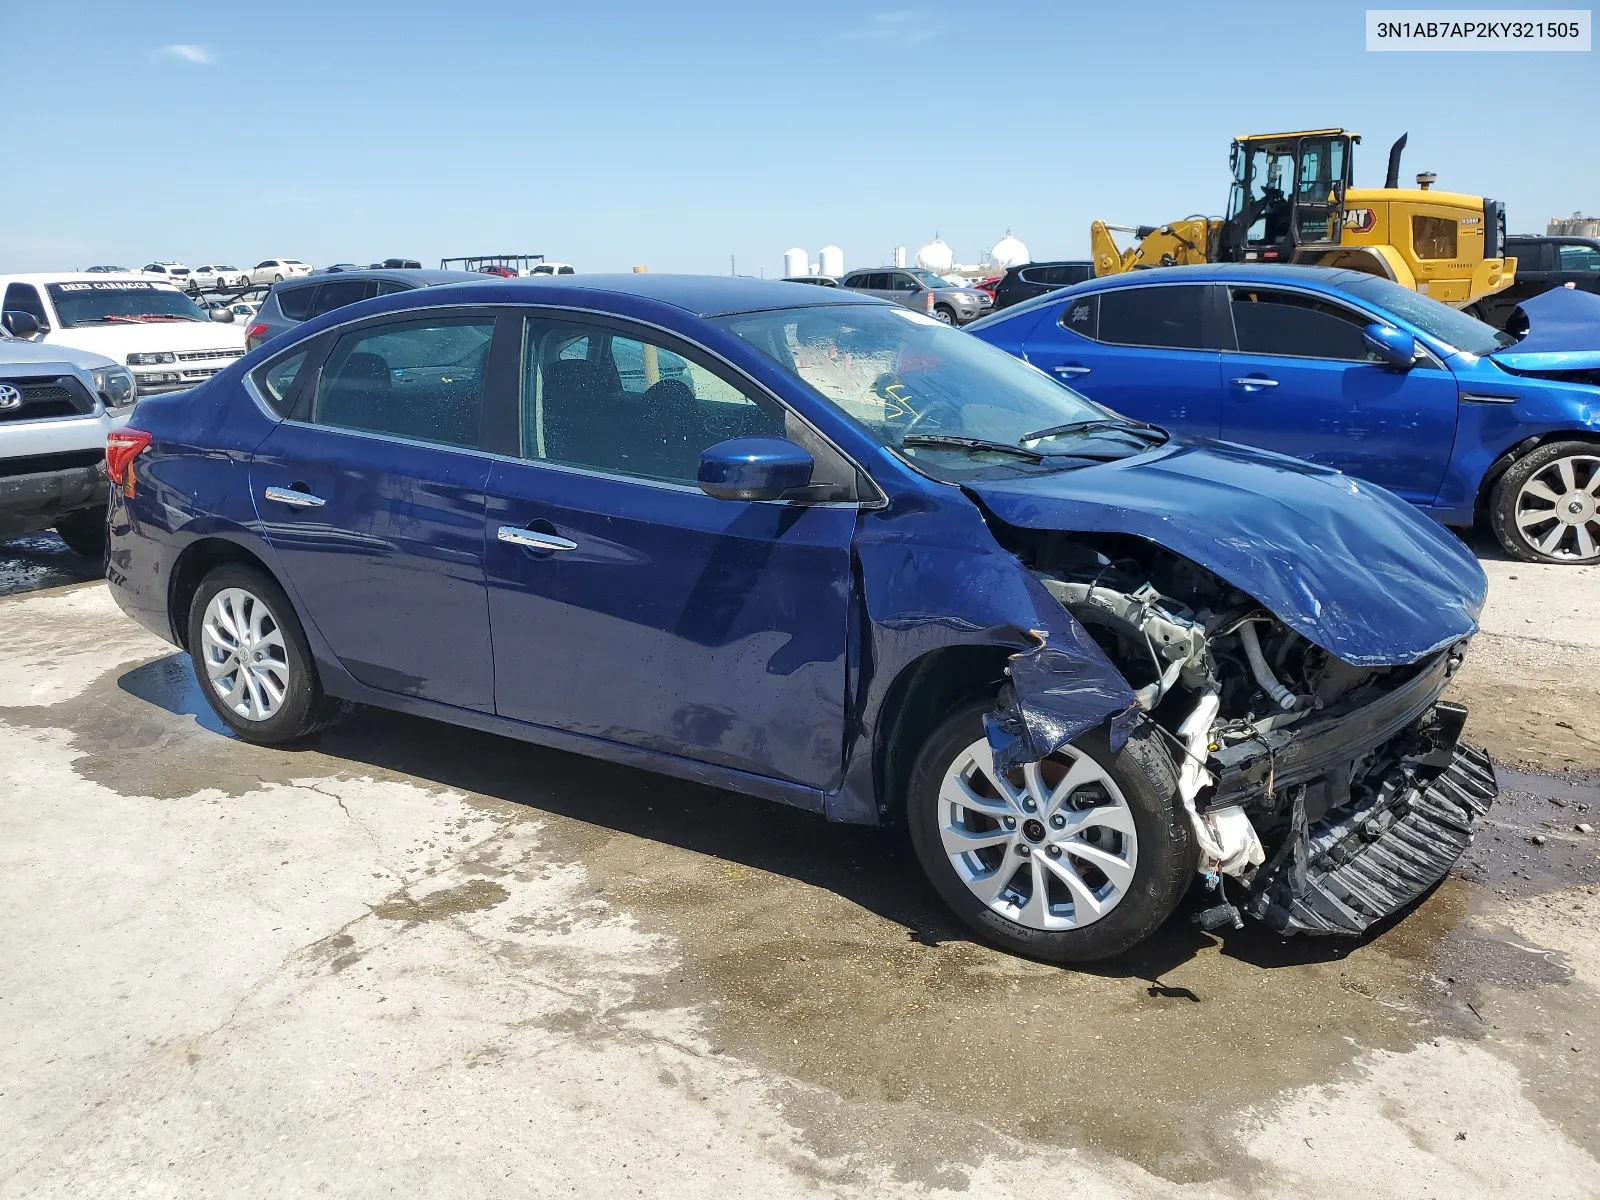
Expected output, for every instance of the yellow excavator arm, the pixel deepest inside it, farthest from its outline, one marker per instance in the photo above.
(1176, 245)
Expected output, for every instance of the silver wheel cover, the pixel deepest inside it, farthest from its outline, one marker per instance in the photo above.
(1558, 509)
(245, 658)
(1052, 847)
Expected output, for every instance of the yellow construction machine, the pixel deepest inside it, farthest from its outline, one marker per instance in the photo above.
(1291, 202)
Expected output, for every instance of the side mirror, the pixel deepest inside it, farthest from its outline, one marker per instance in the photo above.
(224, 315)
(758, 468)
(1394, 346)
(21, 324)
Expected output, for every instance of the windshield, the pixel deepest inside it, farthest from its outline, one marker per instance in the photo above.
(930, 280)
(120, 302)
(1453, 328)
(912, 380)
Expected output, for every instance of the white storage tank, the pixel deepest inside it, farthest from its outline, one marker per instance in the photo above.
(1008, 252)
(935, 256)
(795, 262)
(830, 261)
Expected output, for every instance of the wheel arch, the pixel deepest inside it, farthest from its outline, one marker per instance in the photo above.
(921, 696)
(192, 565)
(1502, 464)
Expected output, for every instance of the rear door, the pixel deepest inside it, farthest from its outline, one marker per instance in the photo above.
(1149, 353)
(372, 495)
(627, 604)
(1303, 382)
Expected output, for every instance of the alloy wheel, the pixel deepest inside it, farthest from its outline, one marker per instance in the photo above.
(1558, 509)
(244, 653)
(1050, 846)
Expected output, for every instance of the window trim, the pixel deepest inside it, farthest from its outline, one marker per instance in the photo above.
(1426, 360)
(1227, 289)
(1211, 329)
(873, 496)
(675, 343)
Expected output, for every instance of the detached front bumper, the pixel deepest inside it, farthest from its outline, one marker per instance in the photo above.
(1343, 875)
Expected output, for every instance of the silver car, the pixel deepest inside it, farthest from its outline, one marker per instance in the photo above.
(920, 290)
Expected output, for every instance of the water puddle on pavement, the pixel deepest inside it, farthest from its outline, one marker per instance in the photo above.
(42, 561)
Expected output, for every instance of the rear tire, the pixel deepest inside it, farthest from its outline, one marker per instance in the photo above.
(84, 532)
(1135, 815)
(252, 661)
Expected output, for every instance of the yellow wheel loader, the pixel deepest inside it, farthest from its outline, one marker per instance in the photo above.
(1291, 201)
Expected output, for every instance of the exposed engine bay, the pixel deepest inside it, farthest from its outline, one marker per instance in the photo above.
(1333, 794)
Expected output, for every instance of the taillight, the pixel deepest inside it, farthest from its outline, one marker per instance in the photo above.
(122, 447)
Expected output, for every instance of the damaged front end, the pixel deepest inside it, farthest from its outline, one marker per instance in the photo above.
(1334, 794)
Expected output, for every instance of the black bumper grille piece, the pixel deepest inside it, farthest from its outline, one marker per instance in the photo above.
(1375, 860)
(49, 396)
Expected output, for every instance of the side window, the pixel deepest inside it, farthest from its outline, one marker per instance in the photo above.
(388, 287)
(903, 283)
(1286, 323)
(1169, 317)
(295, 303)
(629, 407)
(24, 297)
(1433, 237)
(420, 379)
(1577, 257)
(276, 380)
(878, 281)
(1033, 275)
(1082, 316)
(345, 291)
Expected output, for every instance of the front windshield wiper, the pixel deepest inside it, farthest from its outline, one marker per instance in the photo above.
(951, 441)
(1134, 428)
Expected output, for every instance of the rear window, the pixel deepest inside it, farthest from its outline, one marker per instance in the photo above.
(1168, 317)
(295, 303)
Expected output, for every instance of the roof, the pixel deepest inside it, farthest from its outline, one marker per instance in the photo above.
(1224, 273)
(702, 295)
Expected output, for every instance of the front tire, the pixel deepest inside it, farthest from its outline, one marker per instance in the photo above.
(252, 661)
(84, 532)
(943, 312)
(1546, 507)
(1077, 858)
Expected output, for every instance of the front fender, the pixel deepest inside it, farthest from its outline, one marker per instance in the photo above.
(931, 576)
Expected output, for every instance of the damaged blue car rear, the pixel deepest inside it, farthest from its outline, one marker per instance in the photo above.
(831, 552)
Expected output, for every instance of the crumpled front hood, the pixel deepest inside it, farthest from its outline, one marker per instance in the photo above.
(1563, 333)
(1343, 563)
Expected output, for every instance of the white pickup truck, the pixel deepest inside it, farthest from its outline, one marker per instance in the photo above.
(144, 324)
(57, 405)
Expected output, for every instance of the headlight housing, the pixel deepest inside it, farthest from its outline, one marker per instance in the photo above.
(115, 385)
(152, 359)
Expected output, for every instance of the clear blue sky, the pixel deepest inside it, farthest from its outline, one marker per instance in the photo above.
(612, 133)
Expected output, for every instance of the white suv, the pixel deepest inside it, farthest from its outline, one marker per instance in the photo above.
(274, 270)
(57, 405)
(139, 322)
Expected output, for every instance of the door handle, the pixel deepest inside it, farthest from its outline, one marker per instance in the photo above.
(1071, 369)
(1254, 381)
(533, 539)
(294, 498)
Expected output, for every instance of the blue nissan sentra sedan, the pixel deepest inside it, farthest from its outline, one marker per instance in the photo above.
(1467, 422)
(818, 548)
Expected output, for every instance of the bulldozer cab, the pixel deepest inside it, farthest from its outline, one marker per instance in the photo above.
(1288, 193)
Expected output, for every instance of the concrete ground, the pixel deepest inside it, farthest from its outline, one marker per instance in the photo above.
(413, 960)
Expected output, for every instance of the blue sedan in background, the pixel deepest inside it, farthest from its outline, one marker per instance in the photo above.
(1356, 373)
(814, 547)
